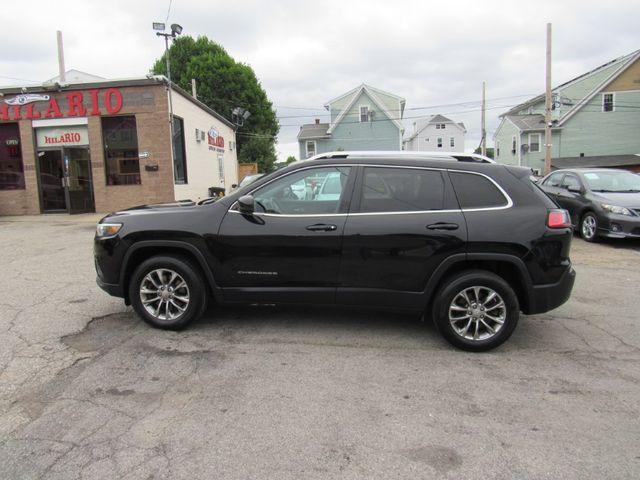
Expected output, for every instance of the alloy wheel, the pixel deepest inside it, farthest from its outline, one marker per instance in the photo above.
(477, 313)
(164, 294)
(588, 226)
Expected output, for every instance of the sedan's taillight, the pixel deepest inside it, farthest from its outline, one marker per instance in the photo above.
(558, 219)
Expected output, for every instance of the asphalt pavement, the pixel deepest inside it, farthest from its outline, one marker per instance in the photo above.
(89, 391)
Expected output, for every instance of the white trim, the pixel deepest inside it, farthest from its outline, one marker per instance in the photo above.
(376, 102)
(60, 122)
(315, 147)
(368, 107)
(539, 143)
(613, 102)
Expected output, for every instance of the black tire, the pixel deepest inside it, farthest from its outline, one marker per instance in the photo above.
(589, 227)
(478, 323)
(195, 291)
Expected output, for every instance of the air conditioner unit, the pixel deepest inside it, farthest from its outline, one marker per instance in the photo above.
(197, 134)
(202, 135)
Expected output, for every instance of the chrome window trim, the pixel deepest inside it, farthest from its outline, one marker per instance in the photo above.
(508, 205)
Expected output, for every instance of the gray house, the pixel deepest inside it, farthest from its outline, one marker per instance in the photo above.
(596, 121)
(364, 118)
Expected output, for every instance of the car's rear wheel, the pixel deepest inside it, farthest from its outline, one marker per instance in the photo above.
(476, 310)
(168, 292)
(589, 227)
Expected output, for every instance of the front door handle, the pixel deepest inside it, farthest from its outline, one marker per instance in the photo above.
(443, 226)
(322, 227)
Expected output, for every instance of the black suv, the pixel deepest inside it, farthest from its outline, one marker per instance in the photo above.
(467, 242)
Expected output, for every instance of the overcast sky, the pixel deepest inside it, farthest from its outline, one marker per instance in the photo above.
(434, 54)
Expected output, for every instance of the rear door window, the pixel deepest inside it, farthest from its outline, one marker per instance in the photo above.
(477, 191)
(388, 189)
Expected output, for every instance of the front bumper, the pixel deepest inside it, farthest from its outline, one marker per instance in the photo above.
(547, 297)
(619, 226)
(112, 289)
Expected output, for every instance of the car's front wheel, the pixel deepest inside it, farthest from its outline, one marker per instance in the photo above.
(589, 227)
(476, 310)
(168, 292)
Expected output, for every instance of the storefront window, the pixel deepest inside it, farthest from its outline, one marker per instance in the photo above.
(120, 138)
(11, 170)
(179, 154)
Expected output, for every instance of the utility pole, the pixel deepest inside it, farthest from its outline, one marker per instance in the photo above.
(61, 69)
(483, 142)
(547, 108)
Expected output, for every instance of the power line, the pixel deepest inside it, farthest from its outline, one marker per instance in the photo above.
(168, 11)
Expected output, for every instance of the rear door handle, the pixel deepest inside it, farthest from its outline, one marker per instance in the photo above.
(443, 226)
(321, 227)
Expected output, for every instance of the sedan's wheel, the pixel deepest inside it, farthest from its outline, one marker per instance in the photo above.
(589, 227)
(476, 310)
(167, 292)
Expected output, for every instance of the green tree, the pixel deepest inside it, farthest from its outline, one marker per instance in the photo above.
(291, 159)
(223, 84)
(489, 151)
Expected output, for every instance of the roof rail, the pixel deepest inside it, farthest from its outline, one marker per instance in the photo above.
(451, 156)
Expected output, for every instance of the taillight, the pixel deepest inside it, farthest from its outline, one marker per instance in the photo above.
(558, 219)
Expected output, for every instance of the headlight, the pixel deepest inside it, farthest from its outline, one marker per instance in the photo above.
(108, 230)
(616, 209)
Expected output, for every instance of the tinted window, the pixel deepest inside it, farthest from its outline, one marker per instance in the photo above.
(570, 181)
(476, 191)
(121, 150)
(401, 190)
(179, 153)
(11, 174)
(306, 192)
(553, 180)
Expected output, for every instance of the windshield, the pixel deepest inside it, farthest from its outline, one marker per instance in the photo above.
(613, 181)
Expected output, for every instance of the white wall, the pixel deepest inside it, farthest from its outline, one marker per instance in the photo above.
(427, 139)
(202, 162)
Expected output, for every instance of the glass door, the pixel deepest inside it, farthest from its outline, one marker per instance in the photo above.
(52, 181)
(79, 188)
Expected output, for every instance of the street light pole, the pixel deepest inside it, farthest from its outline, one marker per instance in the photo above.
(175, 31)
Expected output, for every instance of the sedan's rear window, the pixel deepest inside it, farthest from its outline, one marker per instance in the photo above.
(477, 191)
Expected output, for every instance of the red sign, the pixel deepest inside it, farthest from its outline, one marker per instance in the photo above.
(111, 99)
(215, 140)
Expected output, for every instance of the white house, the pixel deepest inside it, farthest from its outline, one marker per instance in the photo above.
(434, 134)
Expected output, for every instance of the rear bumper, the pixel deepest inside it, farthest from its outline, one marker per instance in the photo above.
(112, 289)
(547, 297)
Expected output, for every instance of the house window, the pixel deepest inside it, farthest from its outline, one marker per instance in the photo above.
(452, 142)
(364, 113)
(120, 137)
(607, 102)
(440, 126)
(11, 169)
(513, 145)
(439, 142)
(311, 148)
(179, 152)
(497, 149)
(534, 142)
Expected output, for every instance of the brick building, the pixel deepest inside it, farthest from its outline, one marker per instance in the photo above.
(105, 145)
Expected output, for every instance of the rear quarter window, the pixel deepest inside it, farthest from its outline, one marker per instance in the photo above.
(477, 191)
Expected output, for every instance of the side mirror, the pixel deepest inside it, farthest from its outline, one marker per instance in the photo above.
(574, 189)
(246, 204)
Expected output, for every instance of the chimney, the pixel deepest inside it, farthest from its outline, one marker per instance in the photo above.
(61, 69)
(317, 121)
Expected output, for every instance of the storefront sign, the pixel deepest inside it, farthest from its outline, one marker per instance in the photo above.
(62, 136)
(73, 104)
(216, 141)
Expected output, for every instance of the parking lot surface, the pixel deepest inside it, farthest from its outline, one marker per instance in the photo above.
(89, 391)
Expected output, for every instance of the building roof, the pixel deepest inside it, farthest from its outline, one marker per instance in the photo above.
(313, 130)
(437, 118)
(75, 76)
(527, 122)
(623, 61)
(596, 161)
(372, 94)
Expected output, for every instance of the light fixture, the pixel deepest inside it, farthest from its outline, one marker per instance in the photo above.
(175, 29)
(158, 26)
